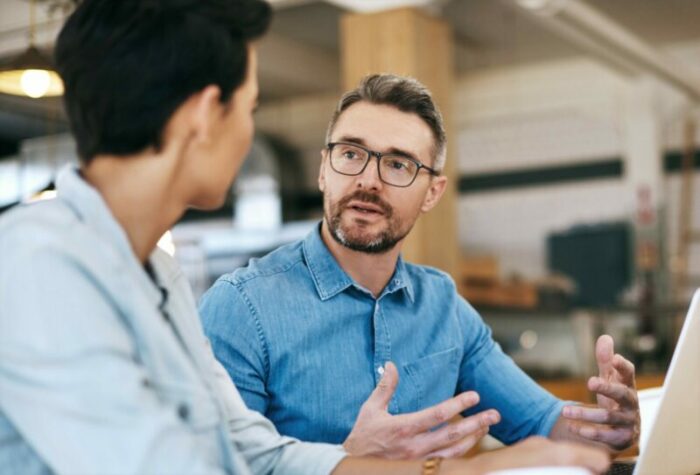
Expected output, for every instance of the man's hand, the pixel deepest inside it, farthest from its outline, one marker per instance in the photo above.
(615, 420)
(409, 436)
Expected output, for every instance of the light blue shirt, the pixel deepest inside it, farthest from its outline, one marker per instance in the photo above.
(306, 345)
(104, 370)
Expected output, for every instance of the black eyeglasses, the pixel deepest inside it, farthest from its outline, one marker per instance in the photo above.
(394, 169)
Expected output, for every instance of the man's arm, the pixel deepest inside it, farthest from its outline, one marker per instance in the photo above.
(263, 448)
(615, 421)
(526, 408)
(229, 324)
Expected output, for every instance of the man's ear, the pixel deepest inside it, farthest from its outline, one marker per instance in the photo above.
(438, 185)
(321, 176)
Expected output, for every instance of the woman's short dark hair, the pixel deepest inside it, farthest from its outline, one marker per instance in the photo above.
(127, 65)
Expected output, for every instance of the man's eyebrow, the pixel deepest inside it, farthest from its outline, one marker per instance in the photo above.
(391, 151)
(404, 153)
(351, 139)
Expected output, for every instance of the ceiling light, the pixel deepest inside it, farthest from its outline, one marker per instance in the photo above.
(31, 73)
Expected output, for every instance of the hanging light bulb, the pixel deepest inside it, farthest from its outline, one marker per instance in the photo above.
(35, 82)
(31, 73)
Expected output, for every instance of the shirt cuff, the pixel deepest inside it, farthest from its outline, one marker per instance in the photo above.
(553, 416)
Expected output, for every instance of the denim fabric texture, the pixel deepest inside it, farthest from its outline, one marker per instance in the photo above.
(305, 345)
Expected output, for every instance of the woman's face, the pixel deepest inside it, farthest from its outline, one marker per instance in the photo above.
(231, 138)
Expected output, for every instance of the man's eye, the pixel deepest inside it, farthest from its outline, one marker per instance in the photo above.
(397, 165)
(349, 154)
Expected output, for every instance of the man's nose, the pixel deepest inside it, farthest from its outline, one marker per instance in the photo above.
(369, 178)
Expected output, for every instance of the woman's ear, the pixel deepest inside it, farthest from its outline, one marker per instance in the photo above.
(192, 122)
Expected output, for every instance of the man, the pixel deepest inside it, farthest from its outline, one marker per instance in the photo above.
(103, 364)
(306, 332)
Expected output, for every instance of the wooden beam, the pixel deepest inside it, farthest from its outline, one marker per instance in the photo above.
(296, 67)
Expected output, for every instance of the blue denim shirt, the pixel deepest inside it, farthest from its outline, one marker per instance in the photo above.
(305, 345)
(94, 379)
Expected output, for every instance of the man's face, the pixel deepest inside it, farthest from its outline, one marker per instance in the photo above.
(362, 212)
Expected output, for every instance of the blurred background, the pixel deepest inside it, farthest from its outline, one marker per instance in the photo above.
(574, 157)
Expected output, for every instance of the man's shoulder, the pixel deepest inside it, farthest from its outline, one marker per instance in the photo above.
(273, 265)
(432, 281)
(427, 276)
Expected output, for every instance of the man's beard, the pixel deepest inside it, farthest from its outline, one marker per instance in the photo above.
(378, 243)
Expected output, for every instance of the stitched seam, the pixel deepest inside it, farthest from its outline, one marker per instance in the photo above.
(258, 326)
(312, 271)
(250, 275)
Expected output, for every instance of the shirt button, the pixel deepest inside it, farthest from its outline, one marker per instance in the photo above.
(183, 411)
(380, 370)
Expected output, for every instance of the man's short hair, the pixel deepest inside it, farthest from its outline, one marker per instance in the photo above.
(127, 65)
(407, 95)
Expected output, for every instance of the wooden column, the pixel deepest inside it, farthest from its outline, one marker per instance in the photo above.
(410, 42)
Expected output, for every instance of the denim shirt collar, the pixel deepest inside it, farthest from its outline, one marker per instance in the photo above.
(88, 204)
(330, 279)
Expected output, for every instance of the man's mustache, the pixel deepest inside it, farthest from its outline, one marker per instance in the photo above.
(367, 197)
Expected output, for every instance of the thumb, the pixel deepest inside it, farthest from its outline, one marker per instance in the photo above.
(604, 352)
(382, 394)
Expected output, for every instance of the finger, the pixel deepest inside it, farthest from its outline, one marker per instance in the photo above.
(625, 369)
(461, 447)
(382, 394)
(621, 394)
(616, 437)
(600, 415)
(604, 351)
(440, 413)
(452, 433)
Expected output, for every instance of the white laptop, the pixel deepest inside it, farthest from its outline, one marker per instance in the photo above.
(672, 446)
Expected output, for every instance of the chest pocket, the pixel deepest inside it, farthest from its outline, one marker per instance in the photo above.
(432, 379)
(192, 405)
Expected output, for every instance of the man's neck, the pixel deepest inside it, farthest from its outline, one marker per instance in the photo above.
(137, 190)
(371, 271)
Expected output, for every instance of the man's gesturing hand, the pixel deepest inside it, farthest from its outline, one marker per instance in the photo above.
(409, 436)
(615, 421)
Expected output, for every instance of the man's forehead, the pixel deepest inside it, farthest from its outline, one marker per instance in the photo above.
(383, 126)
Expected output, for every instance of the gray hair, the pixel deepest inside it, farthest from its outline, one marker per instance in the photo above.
(407, 95)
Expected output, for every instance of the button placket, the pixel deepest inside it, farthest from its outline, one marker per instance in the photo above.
(382, 348)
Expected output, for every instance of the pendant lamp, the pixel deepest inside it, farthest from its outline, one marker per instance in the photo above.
(31, 73)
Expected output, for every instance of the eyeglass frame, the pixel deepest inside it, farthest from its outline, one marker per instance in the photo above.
(379, 155)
